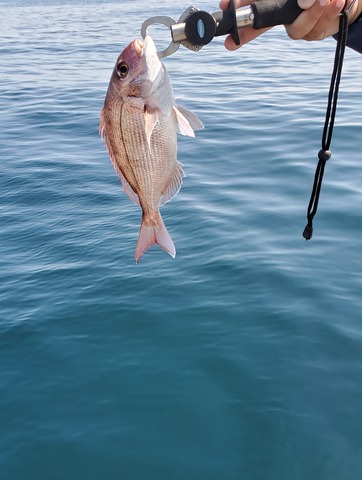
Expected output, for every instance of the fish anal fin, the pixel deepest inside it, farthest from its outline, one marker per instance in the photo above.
(174, 185)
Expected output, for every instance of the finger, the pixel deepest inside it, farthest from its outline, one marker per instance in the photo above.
(245, 36)
(354, 11)
(305, 4)
(328, 24)
(306, 20)
(224, 4)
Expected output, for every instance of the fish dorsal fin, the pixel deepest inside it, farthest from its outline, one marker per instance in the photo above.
(174, 186)
(101, 124)
(127, 188)
(187, 121)
(151, 119)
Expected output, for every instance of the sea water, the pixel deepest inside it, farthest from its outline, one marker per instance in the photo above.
(241, 358)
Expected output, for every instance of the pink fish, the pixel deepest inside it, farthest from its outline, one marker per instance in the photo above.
(139, 122)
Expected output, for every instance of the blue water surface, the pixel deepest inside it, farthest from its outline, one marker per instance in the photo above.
(241, 358)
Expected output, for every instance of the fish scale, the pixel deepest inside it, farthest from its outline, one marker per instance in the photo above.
(151, 173)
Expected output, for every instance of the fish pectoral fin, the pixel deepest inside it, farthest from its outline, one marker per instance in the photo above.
(174, 185)
(151, 119)
(187, 121)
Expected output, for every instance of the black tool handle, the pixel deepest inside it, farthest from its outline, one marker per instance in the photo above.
(268, 13)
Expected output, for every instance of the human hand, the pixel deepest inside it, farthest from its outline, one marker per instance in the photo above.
(245, 34)
(320, 19)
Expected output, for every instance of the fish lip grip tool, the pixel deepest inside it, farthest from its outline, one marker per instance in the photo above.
(196, 28)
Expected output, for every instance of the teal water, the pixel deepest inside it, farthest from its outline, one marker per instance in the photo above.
(241, 358)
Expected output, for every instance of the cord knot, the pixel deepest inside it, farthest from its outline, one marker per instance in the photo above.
(324, 155)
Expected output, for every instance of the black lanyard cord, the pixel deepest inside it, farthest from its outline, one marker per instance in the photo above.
(325, 154)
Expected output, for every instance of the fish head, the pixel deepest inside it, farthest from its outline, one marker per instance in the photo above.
(138, 70)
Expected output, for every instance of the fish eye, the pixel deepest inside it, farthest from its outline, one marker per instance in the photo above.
(122, 70)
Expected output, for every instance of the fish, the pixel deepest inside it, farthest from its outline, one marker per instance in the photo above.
(139, 123)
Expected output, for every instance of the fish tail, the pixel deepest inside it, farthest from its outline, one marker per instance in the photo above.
(154, 232)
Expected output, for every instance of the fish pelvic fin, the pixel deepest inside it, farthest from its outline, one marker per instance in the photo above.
(152, 232)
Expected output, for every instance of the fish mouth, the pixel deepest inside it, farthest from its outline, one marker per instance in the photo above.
(138, 47)
(145, 47)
